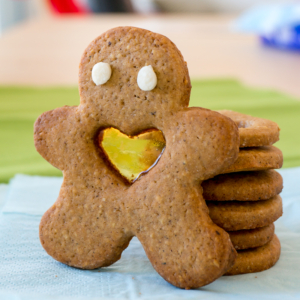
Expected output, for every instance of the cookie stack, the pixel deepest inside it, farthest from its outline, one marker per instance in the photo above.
(245, 200)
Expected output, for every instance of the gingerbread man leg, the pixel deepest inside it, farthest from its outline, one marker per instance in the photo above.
(180, 240)
(80, 233)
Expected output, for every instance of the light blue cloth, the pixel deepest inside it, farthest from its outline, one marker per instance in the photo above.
(27, 272)
(31, 194)
(3, 192)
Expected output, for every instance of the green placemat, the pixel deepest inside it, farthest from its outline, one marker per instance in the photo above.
(21, 106)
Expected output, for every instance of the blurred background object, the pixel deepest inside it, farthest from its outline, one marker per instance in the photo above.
(108, 6)
(14, 11)
(91, 6)
(278, 25)
(212, 6)
(60, 29)
(145, 6)
(69, 6)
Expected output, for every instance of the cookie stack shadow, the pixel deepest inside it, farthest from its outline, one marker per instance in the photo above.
(245, 200)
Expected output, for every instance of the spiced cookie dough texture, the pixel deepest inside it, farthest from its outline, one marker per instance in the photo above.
(252, 238)
(243, 186)
(257, 159)
(238, 215)
(254, 132)
(96, 213)
(245, 200)
(257, 259)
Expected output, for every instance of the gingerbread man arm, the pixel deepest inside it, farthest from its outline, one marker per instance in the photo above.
(201, 142)
(50, 130)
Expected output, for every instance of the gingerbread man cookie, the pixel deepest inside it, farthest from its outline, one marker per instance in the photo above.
(97, 213)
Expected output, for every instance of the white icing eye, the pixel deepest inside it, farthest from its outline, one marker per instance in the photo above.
(146, 78)
(101, 73)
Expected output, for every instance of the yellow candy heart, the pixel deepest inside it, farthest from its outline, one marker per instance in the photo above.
(132, 156)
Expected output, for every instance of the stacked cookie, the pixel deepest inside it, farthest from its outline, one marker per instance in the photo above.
(245, 199)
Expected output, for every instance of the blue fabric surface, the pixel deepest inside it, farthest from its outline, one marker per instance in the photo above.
(43, 193)
(27, 272)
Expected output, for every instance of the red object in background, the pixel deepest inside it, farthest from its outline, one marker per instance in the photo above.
(66, 6)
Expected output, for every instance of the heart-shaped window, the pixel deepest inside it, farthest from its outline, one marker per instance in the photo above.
(131, 156)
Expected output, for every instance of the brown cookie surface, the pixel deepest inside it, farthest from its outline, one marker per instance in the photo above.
(252, 238)
(96, 213)
(254, 132)
(257, 159)
(236, 215)
(257, 259)
(243, 186)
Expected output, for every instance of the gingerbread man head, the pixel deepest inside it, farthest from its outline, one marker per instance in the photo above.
(120, 102)
(96, 213)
